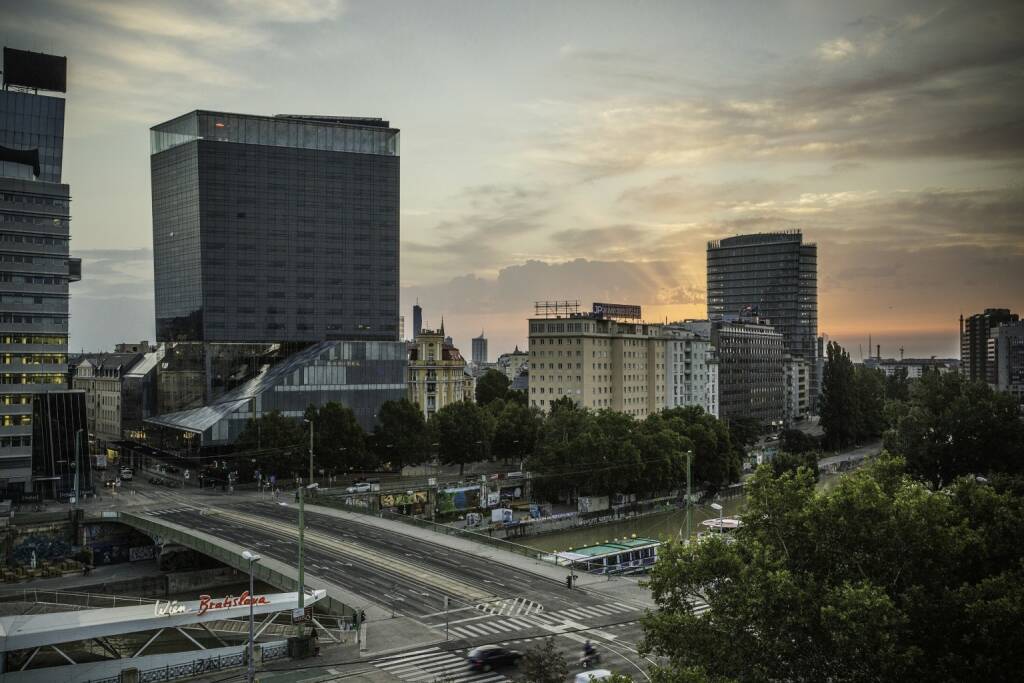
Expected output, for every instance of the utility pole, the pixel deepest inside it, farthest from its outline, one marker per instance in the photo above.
(302, 539)
(78, 452)
(310, 451)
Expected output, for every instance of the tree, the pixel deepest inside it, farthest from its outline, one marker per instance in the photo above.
(880, 578)
(796, 441)
(490, 386)
(276, 442)
(717, 458)
(543, 663)
(839, 399)
(897, 386)
(339, 439)
(869, 391)
(790, 462)
(516, 430)
(952, 427)
(401, 424)
(463, 433)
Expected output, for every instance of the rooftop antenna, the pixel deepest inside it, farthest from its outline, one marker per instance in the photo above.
(901, 353)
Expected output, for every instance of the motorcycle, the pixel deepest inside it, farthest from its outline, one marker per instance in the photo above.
(588, 660)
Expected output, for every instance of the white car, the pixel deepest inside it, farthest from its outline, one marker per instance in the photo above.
(359, 488)
(595, 675)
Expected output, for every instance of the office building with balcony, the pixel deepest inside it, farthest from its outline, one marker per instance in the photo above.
(773, 276)
(35, 266)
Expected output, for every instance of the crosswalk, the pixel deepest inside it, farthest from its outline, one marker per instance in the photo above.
(510, 607)
(170, 511)
(601, 611)
(433, 664)
(493, 627)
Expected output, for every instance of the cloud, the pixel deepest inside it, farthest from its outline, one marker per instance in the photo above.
(836, 50)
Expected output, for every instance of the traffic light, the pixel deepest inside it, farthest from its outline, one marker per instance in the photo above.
(568, 582)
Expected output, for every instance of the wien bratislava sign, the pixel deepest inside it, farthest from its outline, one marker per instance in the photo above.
(206, 603)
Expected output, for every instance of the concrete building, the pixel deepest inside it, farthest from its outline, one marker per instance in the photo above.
(914, 367)
(100, 378)
(511, 364)
(598, 363)
(975, 331)
(773, 276)
(270, 234)
(1008, 350)
(133, 347)
(798, 388)
(687, 352)
(35, 266)
(437, 374)
(751, 370)
(480, 350)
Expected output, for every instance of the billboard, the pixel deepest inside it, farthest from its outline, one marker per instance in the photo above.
(35, 70)
(630, 311)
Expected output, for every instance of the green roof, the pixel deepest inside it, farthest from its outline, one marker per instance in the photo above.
(616, 547)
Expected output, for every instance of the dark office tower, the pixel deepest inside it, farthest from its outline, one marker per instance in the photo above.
(417, 320)
(773, 276)
(975, 333)
(480, 349)
(270, 230)
(34, 265)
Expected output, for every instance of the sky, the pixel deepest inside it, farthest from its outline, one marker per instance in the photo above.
(587, 150)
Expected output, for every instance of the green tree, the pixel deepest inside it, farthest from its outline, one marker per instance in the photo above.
(839, 399)
(880, 578)
(463, 433)
(339, 439)
(796, 441)
(897, 386)
(791, 462)
(401, 424)
(952, 427)
(717, 458)
(543, 663)
(490, 386)
(869, 390)
(276, 442)
(516, 430)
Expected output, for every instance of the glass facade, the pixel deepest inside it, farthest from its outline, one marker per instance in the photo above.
(773, 276)
(275, 229)
(35, 269)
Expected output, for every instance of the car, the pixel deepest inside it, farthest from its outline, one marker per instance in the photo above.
(593, 675)
(488, 657)
(363, 487)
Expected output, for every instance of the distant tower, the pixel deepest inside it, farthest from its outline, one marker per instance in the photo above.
(417, 320)
(480, 349)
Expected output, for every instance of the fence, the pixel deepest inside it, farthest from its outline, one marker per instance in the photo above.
(56, 597)
(195, 667)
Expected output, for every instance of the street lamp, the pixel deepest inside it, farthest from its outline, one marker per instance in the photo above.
(252, 558)
(721, 523)
(310, 421)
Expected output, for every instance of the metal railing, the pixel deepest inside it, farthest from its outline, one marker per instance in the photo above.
(58, 597)
(274, 650)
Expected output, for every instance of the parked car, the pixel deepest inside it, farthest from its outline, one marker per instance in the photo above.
(488, 657)
(594, 675)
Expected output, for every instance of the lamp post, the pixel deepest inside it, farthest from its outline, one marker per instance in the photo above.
(252, 558)
(721, 525)
(689, 509)
(302, 541)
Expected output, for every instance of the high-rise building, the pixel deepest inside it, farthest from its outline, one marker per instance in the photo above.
(35, 267)
(773, 276)
(417, 320)
(751, 371)
(597, 362)
(975, 332)
(270, 233)
(1007, 342)
(480, 350)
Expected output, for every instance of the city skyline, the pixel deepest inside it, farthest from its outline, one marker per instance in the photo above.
(589, 155)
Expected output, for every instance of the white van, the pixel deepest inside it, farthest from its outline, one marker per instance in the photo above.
(594, 675)
(126, 474)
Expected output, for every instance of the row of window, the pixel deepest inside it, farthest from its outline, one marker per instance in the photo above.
(19, 219)
(34, 199)
(33, 339)
(38, 378)
(33, 358)
(13, 319)
(16, 399)
(15, 441)
(15, 420)
(32, 279)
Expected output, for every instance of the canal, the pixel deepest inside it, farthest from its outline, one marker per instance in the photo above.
(664, 526)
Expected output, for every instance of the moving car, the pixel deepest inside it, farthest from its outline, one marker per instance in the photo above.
(363, 487)
(488, 657)
(126, 474)
(595, 675)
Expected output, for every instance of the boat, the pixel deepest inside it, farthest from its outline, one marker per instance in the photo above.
(621, 556)
(725, 526)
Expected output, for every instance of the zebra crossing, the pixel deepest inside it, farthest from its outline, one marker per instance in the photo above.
(510, 607)
(495, 627)
(171, 511)
(601, 611)
(433, 664)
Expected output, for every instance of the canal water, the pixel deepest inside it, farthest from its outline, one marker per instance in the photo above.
(670, 525)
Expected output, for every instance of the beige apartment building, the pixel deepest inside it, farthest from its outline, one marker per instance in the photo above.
(437, 373)
(599, 363)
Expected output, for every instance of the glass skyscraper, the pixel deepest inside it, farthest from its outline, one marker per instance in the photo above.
(35, 268)
(270, 233)
(773, 276)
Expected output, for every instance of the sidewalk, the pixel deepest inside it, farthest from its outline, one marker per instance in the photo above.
(618, 588)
